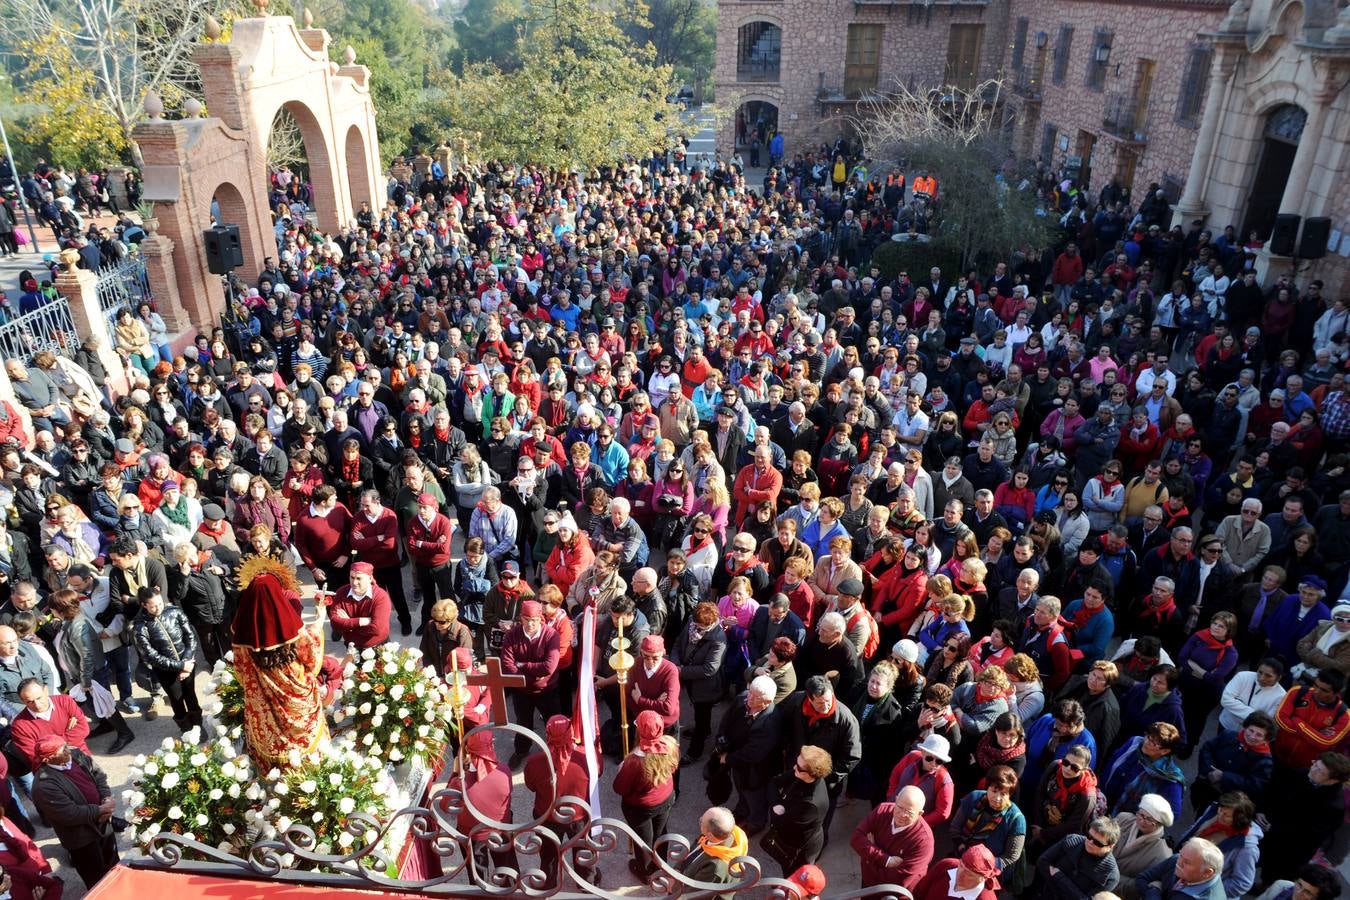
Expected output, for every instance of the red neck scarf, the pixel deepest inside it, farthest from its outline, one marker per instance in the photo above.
(696, 543)
(351, 469)
(1217, 832)
(1220, 647)
(442, 434)
(1062, 790)
(812, 716)
(1158, 613)
(1262, 748)
(1083, 615)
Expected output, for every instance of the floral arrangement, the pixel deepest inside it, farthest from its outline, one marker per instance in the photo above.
(321, 791)
(393, 707)
(224, 702)
(203, 793)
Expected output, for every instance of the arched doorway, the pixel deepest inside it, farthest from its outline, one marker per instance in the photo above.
(299, 170)
(1284, 128)
(358, 179)
(756, 120)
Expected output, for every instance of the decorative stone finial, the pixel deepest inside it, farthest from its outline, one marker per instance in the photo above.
(262, 6)
(70, 259)
(192, 108)
(1340, 33)
(212, 28)
(308, 18)
(154, 107)
(350, 55)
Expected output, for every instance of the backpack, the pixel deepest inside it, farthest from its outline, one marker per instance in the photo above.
(1157, 489)
(873, 640)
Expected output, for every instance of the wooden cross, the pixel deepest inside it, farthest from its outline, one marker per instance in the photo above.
(496, 681)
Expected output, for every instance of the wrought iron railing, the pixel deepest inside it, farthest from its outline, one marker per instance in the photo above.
(577, 841)
(120, 285)
(1025, 83)
(1123, 118)
(49, 327)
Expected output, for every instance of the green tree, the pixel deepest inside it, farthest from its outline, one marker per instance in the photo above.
(589, 94)
(683, 34)
(957, 137)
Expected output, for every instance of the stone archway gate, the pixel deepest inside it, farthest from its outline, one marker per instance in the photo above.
(268, 63)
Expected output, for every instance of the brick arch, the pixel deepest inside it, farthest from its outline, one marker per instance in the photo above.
(751, 18)
(268, 64)
(358, 179)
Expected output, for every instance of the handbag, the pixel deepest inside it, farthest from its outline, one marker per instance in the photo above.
(145, 678)
(718, 775)
(777, 850)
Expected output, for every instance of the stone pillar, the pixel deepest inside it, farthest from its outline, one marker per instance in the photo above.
(1308, 145)
(80, 288)
(157, 251)
(1192, 204)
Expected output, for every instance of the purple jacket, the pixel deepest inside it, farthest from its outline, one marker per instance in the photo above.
(1218, 664)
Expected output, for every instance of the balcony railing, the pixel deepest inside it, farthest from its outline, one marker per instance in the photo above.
(1123, 119)
(758, 69)
(1025, 84)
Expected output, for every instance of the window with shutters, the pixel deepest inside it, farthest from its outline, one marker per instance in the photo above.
(963, 56)
(1019, 47)
(1063, 47)
(1099, 55)
(862, 59)
(1191, 102)
(1049, 134)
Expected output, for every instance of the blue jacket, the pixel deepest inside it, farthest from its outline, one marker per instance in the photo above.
(938, 631)
(1038, 736)
(1165, 874)
(1134, 718)
(1131, 775)
(1012, 824)
(818, 537)
(1285, 629)
(1240, 853)
(1243, 769)
(1095, 635)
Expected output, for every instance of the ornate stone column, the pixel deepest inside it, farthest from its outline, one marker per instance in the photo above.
(157, 251)
(1192, 204)
(1324, 94)
(80, 288)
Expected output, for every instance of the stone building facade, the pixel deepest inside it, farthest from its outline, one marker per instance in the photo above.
(1212, 100)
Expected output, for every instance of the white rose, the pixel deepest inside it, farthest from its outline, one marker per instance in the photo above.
(281, 788)
(419, 689)
(170, 781)
(166, 744)
(227, 828)
(346, 805)
(216, 794)
(335, 779)
(364, 708)
(308, 785)
(233, 791)
(348, 684)
(368, 739)
(175, 812)
(274, 803)
(227, 769)
(283, 823)
(126, 797)
(382, 709)
(193, 736)
(171, 760)
(139, 760)
(395, 755)
(202, 819)
(391, 668)
(409, 665)
(293, 758)
(404, 712)
(430, 715)
(368, 653)
(198, 760)
(274, 774)
(363, 687)
(396, 693)
(316, 818)
(151, 830)
(345, 840)
(423, 730)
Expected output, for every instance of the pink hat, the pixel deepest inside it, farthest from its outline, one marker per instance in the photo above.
(653, 643)
(426, 499)
(531, 609)
(363, 568)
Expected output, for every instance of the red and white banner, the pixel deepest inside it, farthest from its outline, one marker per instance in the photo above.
(586, 721)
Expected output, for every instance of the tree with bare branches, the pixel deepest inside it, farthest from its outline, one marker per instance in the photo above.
(958, 137)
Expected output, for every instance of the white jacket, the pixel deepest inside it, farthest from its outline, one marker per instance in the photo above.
(1244, 696)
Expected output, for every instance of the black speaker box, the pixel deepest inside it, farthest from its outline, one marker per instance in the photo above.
(1313, 244)
(224, 250)
(1283, 235)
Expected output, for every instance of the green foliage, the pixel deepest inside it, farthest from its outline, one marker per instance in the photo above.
(589, 94)
(65, 128)
(683, 34)
(894, 257)
(487, 31)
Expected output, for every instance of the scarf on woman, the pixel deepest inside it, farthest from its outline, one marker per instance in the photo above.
(1083, 615)
(1330, 638)
(178, 515)
(983, 820)
(1062, 790)
(696, 543)
(988, 753)
(1262, 748)
(1216, 831)
(1219, 647)
(351, 469)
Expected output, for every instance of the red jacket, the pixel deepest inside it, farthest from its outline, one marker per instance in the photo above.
(67, 722)
(11, 425)
(634, 790)
(376, 607)
(297, 497)
(752, 488)
(665, 680)
(898, 597)
(429, 545)
(26, 866)
(1308, 730)
(565, 565)
(1067, 270)
(489, 796)
(376, 542)
(935, 885)
(322, 540)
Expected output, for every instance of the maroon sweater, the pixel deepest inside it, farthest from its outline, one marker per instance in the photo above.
(634, 789)
(666, 680)
(429, 545)
(376, 607)
(376, 542)
(874, 842)
(322, 540)
(575, 782)
(536, 659)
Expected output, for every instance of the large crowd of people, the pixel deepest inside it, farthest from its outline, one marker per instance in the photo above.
(980, 550)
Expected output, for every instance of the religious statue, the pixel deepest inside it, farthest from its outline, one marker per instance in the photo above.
(277, 659)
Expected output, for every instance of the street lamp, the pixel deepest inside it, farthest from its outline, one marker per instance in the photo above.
(1103, 53)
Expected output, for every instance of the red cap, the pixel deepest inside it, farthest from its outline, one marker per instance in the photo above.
(363, 568)
(810, 878)
(49, 746)
(426, 499)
